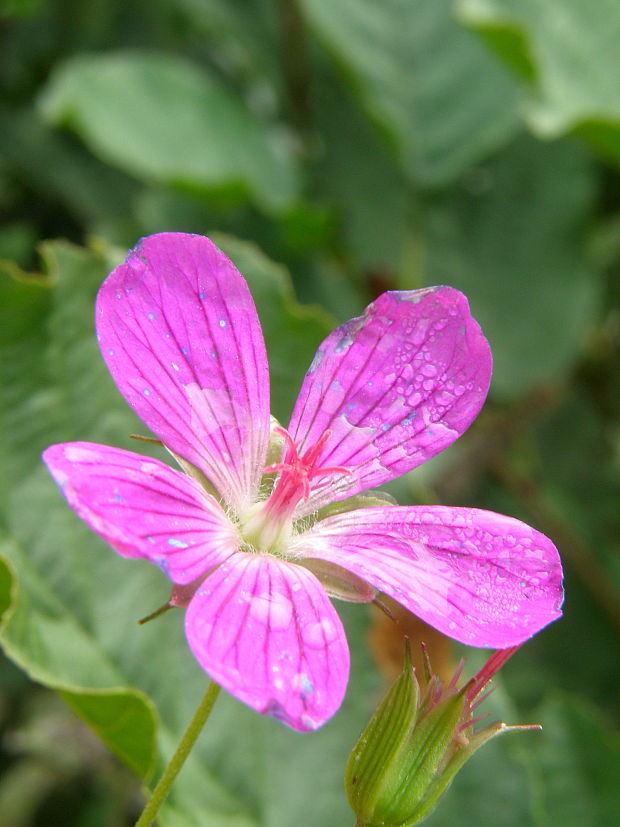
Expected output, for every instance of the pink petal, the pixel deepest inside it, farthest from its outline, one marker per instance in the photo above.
(266, 631)
(178, 329)
(395, 386)
(477, 576)
(143, 508)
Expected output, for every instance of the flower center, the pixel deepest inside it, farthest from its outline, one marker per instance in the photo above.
(269, 523)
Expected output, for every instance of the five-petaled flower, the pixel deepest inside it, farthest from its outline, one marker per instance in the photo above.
(244, 535)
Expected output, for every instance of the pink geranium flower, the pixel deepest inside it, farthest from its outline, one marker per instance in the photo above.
(244, 535)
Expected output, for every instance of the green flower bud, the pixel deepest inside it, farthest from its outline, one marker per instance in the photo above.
(414, 745)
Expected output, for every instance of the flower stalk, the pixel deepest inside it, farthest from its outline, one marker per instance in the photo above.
(164, 785)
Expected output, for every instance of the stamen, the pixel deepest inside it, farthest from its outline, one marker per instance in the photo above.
(297, 472)
(287, 437)
(269, 523)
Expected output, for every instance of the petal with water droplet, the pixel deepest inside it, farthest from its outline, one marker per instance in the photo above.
(267, 632)
(394, 386)
(479, 577)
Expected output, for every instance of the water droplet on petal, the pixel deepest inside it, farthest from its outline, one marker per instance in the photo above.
(176, 543)
(319, 634)
(302, 683)
(274, 609)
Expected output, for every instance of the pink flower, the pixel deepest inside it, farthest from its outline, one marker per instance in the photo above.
(242, 535)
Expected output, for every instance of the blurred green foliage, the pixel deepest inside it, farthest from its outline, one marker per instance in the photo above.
(335, 150)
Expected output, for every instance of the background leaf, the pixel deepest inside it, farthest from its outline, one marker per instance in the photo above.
(507, 239)
(439, 121)
(563, 48)
(209, 139)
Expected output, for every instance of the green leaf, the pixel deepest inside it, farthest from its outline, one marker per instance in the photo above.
(443, 101)
(17, 240)
(567, 52)
(7, 588)
(42, 637)
(165, 120)
(19, 8)
(243, 35)
(26, 411)
(509, 238)
(124, 720)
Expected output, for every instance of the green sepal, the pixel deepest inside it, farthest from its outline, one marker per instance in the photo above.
(276, 444)
(443, 780)
(340, 583)
(368, 499)
(373, 756)
(420, 763)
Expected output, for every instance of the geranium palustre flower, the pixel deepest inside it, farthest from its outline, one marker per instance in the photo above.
(243, 531)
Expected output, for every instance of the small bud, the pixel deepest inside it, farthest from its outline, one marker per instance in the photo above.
(414, 745)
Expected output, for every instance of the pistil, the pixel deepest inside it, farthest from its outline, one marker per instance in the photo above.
(269, 524)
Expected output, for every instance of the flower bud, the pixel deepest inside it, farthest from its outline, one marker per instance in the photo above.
(414, 745)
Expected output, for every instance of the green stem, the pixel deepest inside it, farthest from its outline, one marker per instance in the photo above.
(160, 793)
